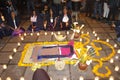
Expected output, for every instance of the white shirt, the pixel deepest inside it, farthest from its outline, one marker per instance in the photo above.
(65, 18)
(33, 19)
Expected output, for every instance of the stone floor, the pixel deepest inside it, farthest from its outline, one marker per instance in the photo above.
(71, 72)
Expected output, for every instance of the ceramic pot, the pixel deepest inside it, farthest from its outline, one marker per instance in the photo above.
(82, 66)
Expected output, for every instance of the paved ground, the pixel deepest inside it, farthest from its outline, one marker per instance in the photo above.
(103, 30)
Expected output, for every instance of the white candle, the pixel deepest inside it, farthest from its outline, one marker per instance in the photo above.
(10, 57)
(59, 33)
(111, 78)
(98, 38)
(45, 33)
(115, 45)
(31, 34)
(14, 50)
(80, 39)
(95, 35)
(116, 68)
(4, 66)
(22, 38)
(18, 44)
(82, 32)
(116, 57)
(96, 78)
(38, 34)
(93, 32)
(118, 51)
(107, 40)
(22, 78)
(81, 78)
(88, 33)
(8, 78)
(52, 33)
(111, 60)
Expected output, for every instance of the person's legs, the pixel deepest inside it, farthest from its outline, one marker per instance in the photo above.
(40, 74)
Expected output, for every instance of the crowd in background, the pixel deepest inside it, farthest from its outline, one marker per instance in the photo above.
(52, 15)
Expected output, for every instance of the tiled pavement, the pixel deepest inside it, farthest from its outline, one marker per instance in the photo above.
(71, 72)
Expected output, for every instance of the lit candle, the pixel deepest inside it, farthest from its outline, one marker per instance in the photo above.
(8, 78)
(116, 68)
(111, 60)
(18, 44)
(81, 78)
(118, 51)
(80, 39)
(67, 32)
(64, 78)
(116, 57)
(45, 33)
(107, 40)
(98, 38)
(52, 33)
(38, 34)
(31, 34)
(22, 38)
(4, 66)
(22, 78)
(95, 35)
(115, 45)
(96, 78)
(111, 78)
(88, 33)
(93, 32)
(14, 50)
(82, 32)
(10, 57)
(59, 33)
(25, 34)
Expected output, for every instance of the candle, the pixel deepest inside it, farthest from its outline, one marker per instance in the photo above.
(111, 60)
(98, 38)
(67, 32)
(22, 78)
(22, 38)
(88, 33)
(59, 33)
(115, 45)
(10, 57)
(118, 51)
(116, 68)
(107, 40)
(8, 78)
(93, 32)
(111, 78)
(18, 44)
(45, 33)
(116, 57)
(95, 35)
(31, 34)
(64, 78)
(38, 34)
(81, 78)
(4, 66)
(82, 32)
(96, 78)
(52, 33)
(14, 50)
(80, 39)
(25, 34)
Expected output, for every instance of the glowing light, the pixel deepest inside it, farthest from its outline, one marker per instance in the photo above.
(107, 40)
(18, 44)
(82, 32)
(81, 78)
(25, 34)
(93, 32)
(4, 66)
(88, 33)
(22, 38)
(67, 32)
(80, 39)
(15, 50)
(31, 34)
(10, 57)
(38, 34)
(96, 78)
(111, 60)
(116, 57)
(98, 38)
(116, 68)
(8, 78)
(111, 78)
(115, 45)
(64, 78)
(118, 51)
(59, 33)
(45, 33)
(22, 78)
(52, 33)
(95, 35)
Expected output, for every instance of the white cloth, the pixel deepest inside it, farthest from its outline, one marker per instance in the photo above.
(15, 24)
(106, 10)
(65, 18)
(33, 19)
